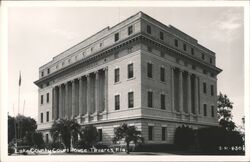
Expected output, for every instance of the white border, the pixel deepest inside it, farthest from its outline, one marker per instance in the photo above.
(4, 77)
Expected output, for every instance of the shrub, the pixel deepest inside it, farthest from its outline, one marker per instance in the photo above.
(211, 139)
(11, 150)
(184, 137)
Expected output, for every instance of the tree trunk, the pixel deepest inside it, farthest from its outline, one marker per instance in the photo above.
(127, 147)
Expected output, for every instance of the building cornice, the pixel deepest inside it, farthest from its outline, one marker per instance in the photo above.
(108, 50)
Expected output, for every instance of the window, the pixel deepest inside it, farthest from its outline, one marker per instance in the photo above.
(69, 60)
(130, 49)
(117, 75)
(99, 134)
(100, 44)
(163, 105)
(47, 116)
(211, 60)
(47, 97)
(148, 29)
(150, 133)
(204, 88)
(150, 70)
(163, 133)
(48, 71)
(161, 36)
(117, 102)
(212, 111)
(192, 51)
(149, 49)
(41, 99)
(130, 99)
(130, 71)
(212, 90)
(42, 74)
(203, 57)
(150, 99)
(57, 66)
(176, 43)
(162, 54)
(62, 63)
(41, 118)
(47, 138)
(76, 55)
(91, 49)
(116, 37)
(130, 30)
(47, 84)
(212, 74)
(184, 47)
(205, 109)
(162, 74)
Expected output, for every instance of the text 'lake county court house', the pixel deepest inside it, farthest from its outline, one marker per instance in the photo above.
(140, 72)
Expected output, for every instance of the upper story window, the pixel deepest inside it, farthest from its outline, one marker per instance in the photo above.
(184, 47)
(41, 99)
(130, 99)
(57, 66)
(116, 37)
(117, 102)
(212, 90)
(130, 49)
(47, 97)
(211, 60)
(149, 49)
(205, 109)
(148, 29)
(42, 73)
(163, 103)
(117, 75)
(41, 118)
(161, 35)
(192, 51)
(203, 56)
(100, 44)
(204, 71)
(130, 30)
(76, 57)
(69, 60)
(176, 43)
(91, 49)
(130, 71)
(204, 87)
(48, 70)
(212, 111)
(47, 116)
(162, 71)
(150, 99)
(62, 63)
(212, 74)
(150, 70)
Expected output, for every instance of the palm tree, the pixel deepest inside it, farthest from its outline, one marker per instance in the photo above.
(65, 128)
(129, 134)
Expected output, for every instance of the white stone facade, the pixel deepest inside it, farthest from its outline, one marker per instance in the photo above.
(163, 79)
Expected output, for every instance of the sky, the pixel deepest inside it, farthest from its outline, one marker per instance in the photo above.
(37, 34)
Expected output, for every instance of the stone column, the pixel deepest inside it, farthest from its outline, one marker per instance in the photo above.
(60, 101)
(73, 99)
(88, 95)
(180, 91)
(97, 92)
(105, 89)
(196, 95)
(172, 89)
(189, 99)
(66, 115)
(53, 103)
(80, 96)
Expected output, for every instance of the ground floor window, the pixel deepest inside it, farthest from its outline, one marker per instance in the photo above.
(163, 133)
(47, 138)
(150, 133)
(99, 134)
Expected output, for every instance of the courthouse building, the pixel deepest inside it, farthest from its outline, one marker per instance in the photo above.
(140, 72)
